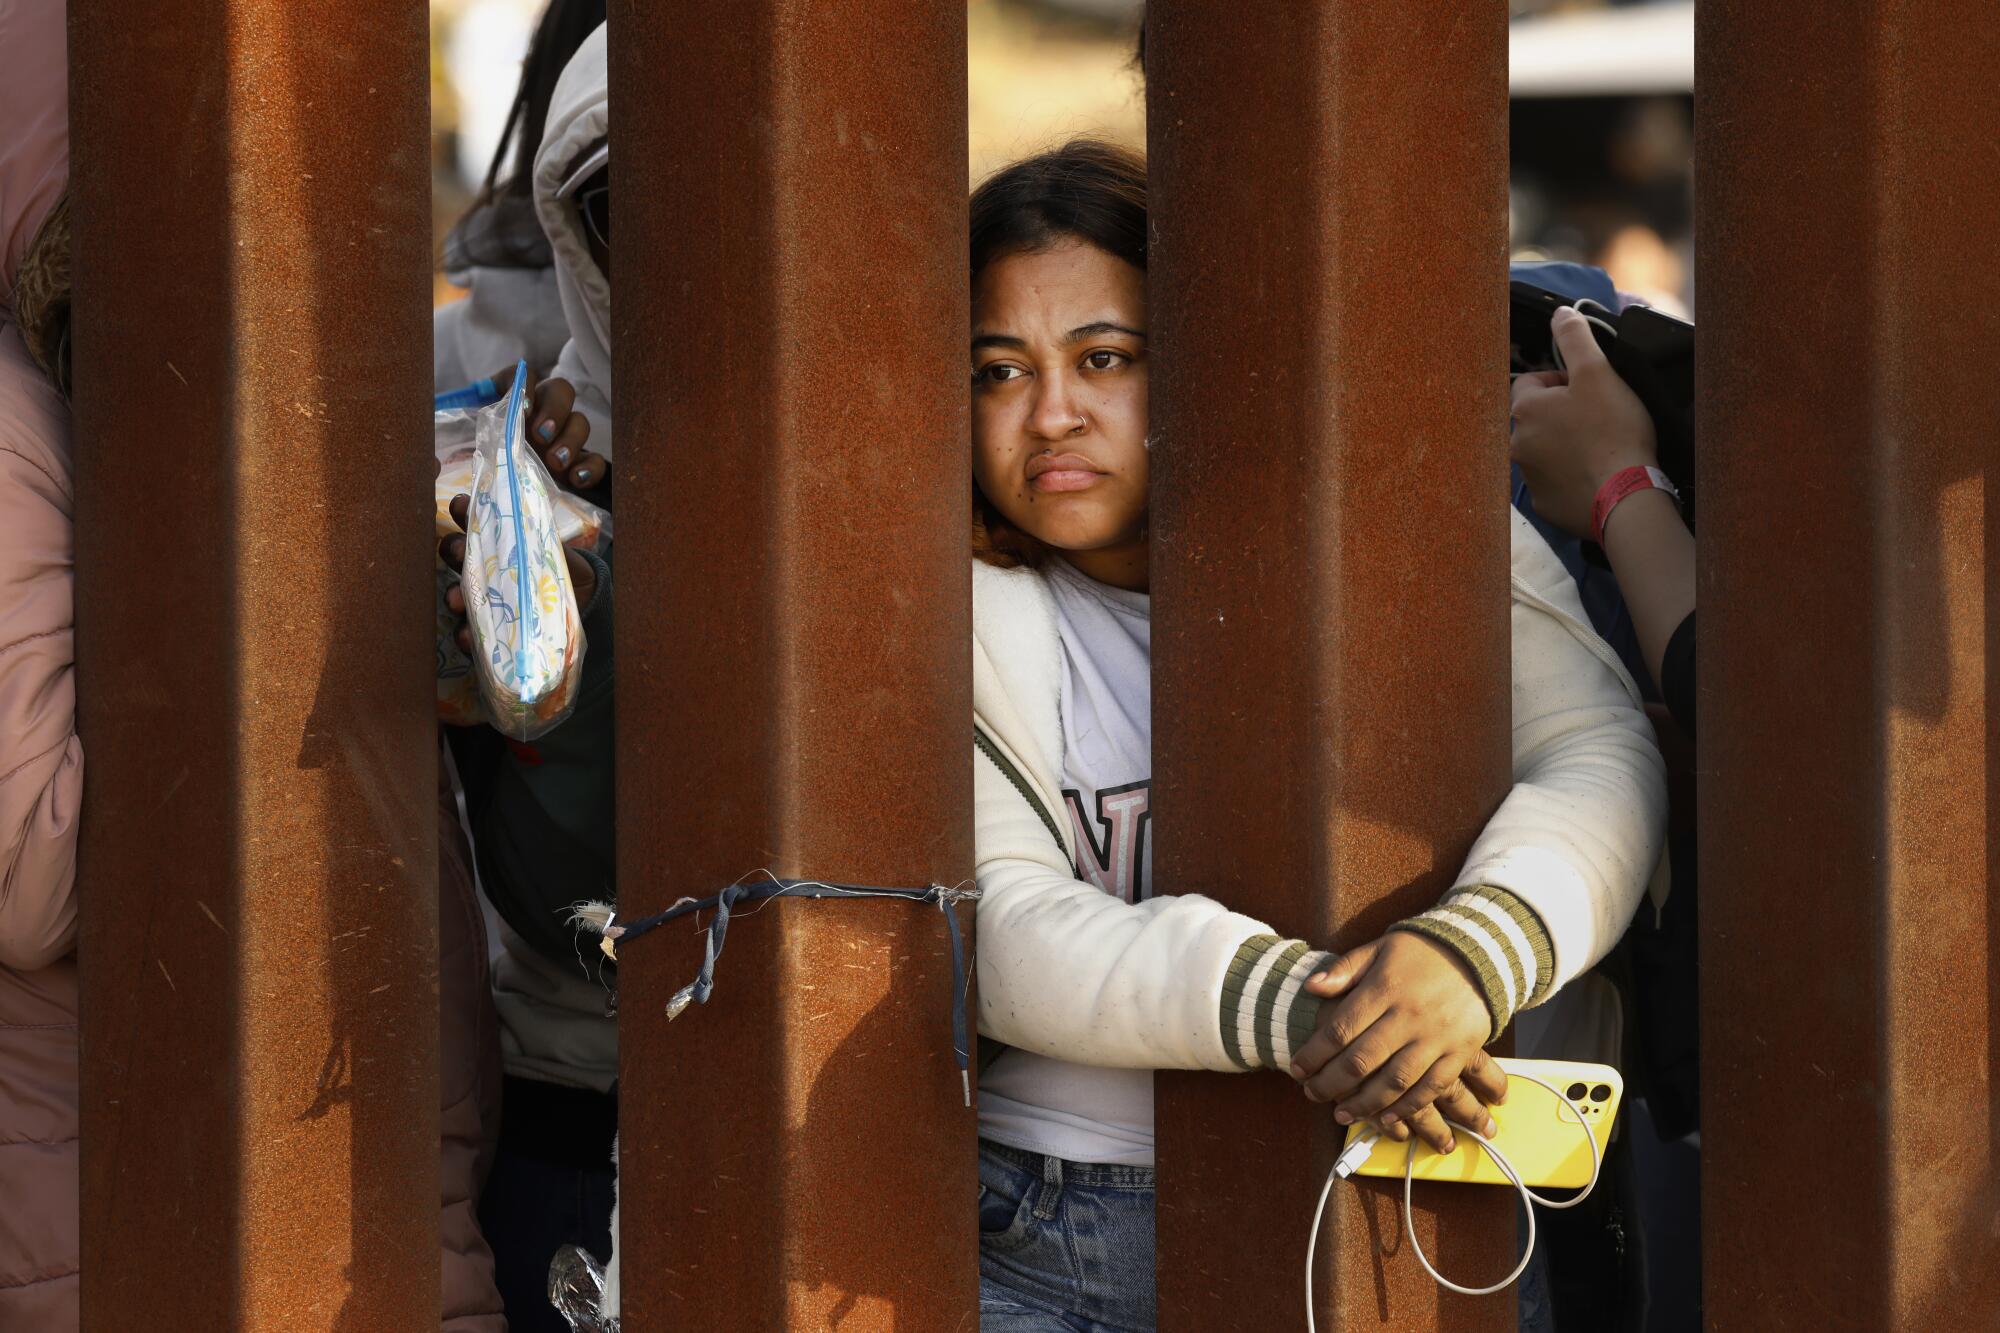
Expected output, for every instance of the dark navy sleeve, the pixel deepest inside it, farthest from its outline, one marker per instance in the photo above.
(1677, 675)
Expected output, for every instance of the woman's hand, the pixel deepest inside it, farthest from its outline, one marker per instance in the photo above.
(559, 433)
(1404, 1042)
(451, 550)
(1573, 430)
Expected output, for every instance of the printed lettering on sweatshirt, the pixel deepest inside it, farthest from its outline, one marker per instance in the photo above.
(1113, 843)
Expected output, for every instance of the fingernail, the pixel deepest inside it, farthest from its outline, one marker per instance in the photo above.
(583, 476)
(547, 430)
(1319, 976)
(561, 456)
(1388, 1120)
(1490, 1128)
(1342, 1118)
(1297, 1072)
(1449, 1146)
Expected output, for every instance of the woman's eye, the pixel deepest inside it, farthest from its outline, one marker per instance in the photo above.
(996, 374)
(1104, 360)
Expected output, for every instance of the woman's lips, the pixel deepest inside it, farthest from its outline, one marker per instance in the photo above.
(1065, 472)
(1065, 479)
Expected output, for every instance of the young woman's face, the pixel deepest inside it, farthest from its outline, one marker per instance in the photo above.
(1059, 403)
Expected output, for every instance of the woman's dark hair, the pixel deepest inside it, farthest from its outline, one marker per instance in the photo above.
(501, 230)
(1086, 190)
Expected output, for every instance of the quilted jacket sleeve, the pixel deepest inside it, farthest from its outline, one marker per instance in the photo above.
(41, 760)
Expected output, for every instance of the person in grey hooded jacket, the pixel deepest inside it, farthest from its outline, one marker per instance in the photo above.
(541, 813)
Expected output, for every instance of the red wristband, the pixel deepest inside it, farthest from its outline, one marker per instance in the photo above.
(1621, 484)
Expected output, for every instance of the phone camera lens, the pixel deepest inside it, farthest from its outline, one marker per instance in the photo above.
(1576, 1092)
(1601, 1093)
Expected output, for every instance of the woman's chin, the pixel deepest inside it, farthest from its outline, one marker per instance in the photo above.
(1066, 539)
(1093, 519)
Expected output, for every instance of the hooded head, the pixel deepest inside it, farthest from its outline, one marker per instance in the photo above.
(34, 173)
(34, 145)
(578, 126)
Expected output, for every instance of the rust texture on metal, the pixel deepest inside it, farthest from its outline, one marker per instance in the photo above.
(1850, 743)
(260, 1098)
(1330, 561)
(794, 672)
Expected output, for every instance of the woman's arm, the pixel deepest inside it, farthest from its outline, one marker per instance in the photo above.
(1652, 553)
(1181, 982)
(1069, 971)
(1572, 433)
(1580, 834)
(41, 760)
(1548, 887)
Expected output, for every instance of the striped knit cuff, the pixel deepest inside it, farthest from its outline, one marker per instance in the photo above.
(1266, 1013)
(1501, 939)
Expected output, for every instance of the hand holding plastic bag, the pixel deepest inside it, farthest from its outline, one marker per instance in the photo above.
(527, 639)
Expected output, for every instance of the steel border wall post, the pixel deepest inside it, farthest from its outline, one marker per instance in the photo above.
(794, 671)
(1330, 570)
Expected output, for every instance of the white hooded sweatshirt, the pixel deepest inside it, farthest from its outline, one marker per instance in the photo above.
(507, 315)
(579, 121)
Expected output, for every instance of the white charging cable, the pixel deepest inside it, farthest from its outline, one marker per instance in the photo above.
(1363, 1146)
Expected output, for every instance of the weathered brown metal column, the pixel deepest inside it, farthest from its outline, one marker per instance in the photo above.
(260, 1104)
(794, 657)
(1331, 652)
(1850, 730)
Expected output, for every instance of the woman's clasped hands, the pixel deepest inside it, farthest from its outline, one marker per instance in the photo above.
(1401, 1040)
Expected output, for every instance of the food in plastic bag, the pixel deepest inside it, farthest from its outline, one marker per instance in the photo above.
(579, 523)
(527, 641)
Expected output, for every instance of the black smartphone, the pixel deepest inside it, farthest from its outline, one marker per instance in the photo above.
(1652, 351)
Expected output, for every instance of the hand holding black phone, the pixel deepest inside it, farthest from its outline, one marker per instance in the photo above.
(1651, 351)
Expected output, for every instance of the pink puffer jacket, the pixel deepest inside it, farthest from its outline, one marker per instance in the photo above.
(41, 763)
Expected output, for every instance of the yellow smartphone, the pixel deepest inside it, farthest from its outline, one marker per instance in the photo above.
(1537, 1131)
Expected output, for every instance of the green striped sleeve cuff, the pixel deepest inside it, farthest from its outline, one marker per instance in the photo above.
(1501, 939)
(1266, 1013)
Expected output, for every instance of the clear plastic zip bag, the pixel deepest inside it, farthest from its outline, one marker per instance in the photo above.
(582, 526)
(527, 640)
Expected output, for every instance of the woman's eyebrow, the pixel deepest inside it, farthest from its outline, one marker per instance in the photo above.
(1006, 340)
(1092, 330)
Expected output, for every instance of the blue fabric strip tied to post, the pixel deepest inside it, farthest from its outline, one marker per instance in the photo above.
(602, 919)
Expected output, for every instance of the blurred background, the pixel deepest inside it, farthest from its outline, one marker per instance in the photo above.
(1602, 114)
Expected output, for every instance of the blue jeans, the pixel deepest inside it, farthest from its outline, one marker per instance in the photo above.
(1064, 1247)
(1067, 1247)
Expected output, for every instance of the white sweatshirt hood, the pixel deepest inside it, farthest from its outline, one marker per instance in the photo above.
(579, 122)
